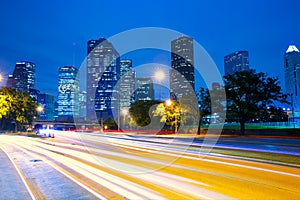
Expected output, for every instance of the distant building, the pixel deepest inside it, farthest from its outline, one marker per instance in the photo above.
(82, 105)
(292, 74)
(216, 86)
(68, 90)
(47, 102)
(182, 79)
(126, 84)
(9, 82)
(23, 78)
(103, 71)
(144, 89)
(33, 93)
(235, 62)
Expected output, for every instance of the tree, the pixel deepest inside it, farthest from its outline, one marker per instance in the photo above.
(211, 101)
(248, 95)
(139, 112)
(17, 107)
(110, 124)
(169, 113)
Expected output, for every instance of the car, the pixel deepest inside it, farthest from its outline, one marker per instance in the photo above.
(45, 133)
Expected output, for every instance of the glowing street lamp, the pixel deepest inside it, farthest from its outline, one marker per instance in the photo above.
(169, 103)
(40, 109)
(159, 75)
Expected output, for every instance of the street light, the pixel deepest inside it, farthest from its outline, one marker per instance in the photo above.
(40, 109)
(124, 113)
(293, 111)
(168, 104)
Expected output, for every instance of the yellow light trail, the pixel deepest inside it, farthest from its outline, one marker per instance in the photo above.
(141, 170)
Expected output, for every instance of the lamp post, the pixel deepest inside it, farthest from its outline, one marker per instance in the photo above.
(168, 104)
(293, 111)
(124, 113)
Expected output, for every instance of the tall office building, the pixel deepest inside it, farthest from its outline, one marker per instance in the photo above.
(68, 91)
(23, 78)
(182, 79)
(235, 62)
(103, 71)
(126, 84)
(9, 82)
(292, 74)
(144, 89)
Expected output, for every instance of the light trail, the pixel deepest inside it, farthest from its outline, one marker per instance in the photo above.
(141, 170)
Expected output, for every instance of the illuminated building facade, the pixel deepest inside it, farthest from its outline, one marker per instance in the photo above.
(23, 78)
(292, 75)
(126, 84)
(103, 71)
(68, 91)
(235, 62)
(144, 89)
(182, 79)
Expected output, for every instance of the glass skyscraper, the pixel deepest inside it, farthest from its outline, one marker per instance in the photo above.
(182, 79)
(126, 84)
(68, 91)
(292, 74)
(103, 71)
(23, 78)
(144, 89)
(235, 62)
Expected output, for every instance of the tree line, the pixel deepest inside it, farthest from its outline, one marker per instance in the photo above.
(17, 109)
(250, 97)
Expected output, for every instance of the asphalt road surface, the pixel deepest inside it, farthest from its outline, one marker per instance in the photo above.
(93, 166)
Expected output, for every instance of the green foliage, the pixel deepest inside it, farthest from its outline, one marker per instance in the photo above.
(139, 112)
(248, 94)
(110, 124)
(170, 113)
(211, 101)
(16, 107)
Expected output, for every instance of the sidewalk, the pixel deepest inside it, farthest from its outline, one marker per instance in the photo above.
(11, 185)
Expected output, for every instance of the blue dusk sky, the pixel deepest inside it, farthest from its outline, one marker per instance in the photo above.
(54, 33)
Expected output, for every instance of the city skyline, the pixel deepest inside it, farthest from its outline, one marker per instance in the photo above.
(52, 39)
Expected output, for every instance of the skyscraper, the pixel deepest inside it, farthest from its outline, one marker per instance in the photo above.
(292, 74)
(68, 90)
(235, 62)
(103, 71)
(144, 89)
(182, 79)
(9, 82)
(23, 78)
(126, 84)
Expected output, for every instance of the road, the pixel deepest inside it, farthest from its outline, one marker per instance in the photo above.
(93, 166)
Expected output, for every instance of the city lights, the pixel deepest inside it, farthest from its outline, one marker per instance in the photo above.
(159, 75)
(40, 109)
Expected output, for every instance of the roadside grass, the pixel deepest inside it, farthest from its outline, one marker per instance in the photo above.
(283, 159)
(28, 134)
